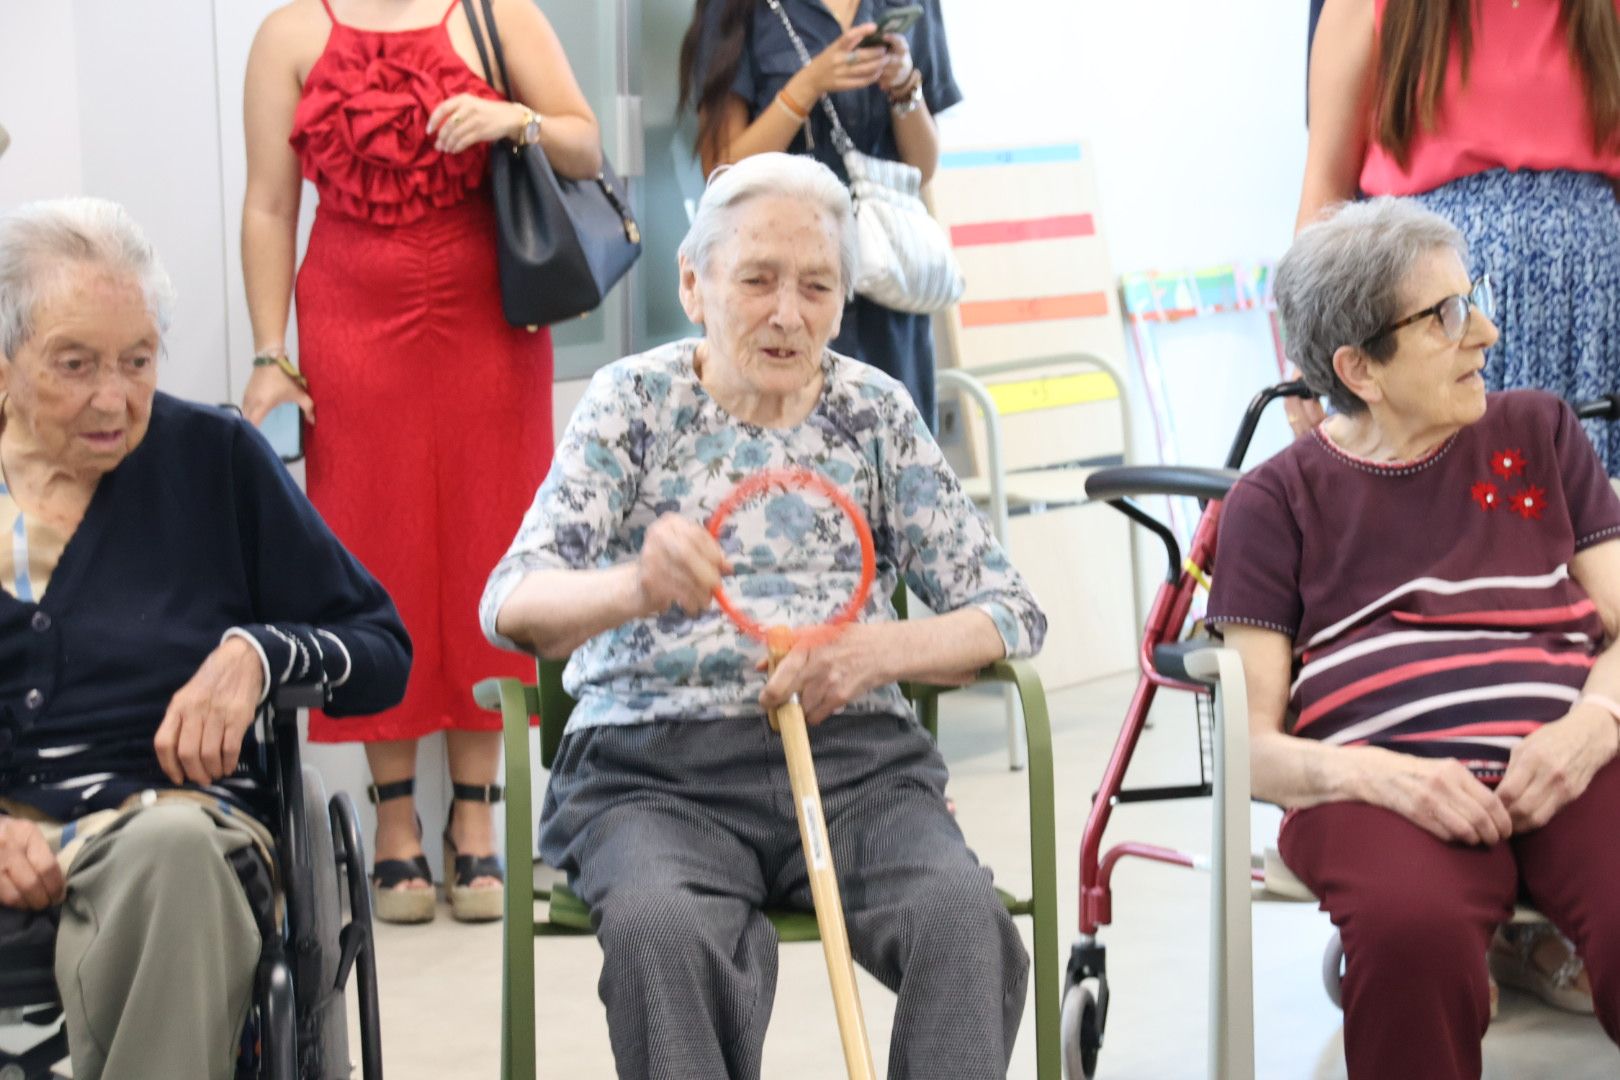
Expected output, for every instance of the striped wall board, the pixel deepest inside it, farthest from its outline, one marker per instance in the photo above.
(1025, 226)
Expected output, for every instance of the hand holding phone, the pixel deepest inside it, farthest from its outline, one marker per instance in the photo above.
(894, 21)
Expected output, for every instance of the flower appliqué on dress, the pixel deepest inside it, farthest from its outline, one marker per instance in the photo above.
(1507, 463)
(1529, 502)
(1485, 494)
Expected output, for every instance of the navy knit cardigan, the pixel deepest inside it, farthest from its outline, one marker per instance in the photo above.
(198, 531)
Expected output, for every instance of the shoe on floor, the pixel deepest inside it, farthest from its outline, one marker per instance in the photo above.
(1514, 962)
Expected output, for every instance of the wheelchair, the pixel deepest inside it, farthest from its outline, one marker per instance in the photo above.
(297, 1027)
(1175, 658)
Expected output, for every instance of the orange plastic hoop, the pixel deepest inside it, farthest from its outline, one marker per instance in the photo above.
(805, 479)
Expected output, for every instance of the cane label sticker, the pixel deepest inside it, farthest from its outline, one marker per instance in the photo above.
(813, 839)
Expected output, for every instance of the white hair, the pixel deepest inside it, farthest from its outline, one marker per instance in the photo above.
(39, 239)
(759, 175)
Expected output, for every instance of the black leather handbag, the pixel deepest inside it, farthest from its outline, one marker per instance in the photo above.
(561, 244)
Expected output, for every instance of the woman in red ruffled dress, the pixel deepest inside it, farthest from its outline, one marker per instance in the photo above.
(434, 414)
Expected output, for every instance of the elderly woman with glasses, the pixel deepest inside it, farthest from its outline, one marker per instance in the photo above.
(1425, 592)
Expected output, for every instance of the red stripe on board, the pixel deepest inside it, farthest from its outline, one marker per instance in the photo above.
(1019, 232)
(1419, 668)
(1034, 309)
(1532, 617)
(1498, 727)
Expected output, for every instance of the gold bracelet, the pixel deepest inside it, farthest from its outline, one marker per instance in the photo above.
(282, 361)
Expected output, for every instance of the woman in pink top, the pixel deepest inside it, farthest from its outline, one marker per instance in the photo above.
(1503, 116)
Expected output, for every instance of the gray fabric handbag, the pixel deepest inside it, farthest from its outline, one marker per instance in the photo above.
(905, 257)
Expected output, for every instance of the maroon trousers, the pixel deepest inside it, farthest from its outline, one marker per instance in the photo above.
(1417, 915)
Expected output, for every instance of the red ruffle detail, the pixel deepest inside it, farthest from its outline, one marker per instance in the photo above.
(360, 131)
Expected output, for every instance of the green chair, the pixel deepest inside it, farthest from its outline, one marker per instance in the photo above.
(517, 702)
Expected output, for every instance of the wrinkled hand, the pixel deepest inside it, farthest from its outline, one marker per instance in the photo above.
(680, 563)
(1553, 764)
(30, 878)
(467, 120)
(200, 738)
(1303, 413)
(843, 65)
(1442, 797)
(269, 387)
(830, 674)
(897, 67)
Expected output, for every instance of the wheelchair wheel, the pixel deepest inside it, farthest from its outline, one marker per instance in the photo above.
(323, 1019)
(1081, 1029)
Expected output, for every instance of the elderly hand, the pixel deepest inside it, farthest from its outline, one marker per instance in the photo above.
(269, 387)
(841, 66)
(832, 673)
(200, 738)
(30, 878)
(680, 563)
(1553, 764)
(1442, 797)
(467, 120)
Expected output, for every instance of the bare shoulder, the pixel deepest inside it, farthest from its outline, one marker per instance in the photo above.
(294, 34)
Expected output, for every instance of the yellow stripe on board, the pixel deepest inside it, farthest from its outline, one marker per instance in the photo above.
(1053, 392)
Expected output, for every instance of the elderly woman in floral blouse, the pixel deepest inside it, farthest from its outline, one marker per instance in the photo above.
(669, 802)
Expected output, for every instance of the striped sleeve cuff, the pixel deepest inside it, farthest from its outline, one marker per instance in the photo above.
(295, 654)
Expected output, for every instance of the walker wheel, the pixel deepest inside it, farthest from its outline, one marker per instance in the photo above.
(1081, 1031)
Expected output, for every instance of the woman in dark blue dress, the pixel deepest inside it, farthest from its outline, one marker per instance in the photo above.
(742, 75)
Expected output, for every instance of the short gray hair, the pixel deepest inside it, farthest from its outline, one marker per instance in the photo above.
(1340, 283)
(38, 239)
(759, 175)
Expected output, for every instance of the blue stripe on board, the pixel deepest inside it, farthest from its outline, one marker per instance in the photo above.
(1026, 155)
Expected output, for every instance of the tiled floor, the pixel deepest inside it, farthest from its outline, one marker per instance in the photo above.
(441, 1001)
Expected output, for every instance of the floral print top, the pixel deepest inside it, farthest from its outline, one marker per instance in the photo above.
(647, 440)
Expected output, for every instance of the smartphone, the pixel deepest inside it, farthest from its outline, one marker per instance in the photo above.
(894, 21)
(284, 428)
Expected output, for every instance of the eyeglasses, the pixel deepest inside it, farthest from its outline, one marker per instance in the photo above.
(1452, 311)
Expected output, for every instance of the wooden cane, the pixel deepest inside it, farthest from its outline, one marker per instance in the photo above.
(818, 863)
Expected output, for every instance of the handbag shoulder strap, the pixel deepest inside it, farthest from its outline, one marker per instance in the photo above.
(841, 139)
(494, 44)
(478, 40)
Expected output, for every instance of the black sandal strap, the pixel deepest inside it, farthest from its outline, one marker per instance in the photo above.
(469, 868)
(484, 793)
(392, 873)
(399, 789)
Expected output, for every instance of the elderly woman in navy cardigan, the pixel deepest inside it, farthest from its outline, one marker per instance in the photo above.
(160, 577)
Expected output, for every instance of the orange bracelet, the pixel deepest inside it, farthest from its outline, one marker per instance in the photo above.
(797, 111)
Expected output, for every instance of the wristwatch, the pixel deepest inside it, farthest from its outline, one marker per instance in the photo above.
(529, 133)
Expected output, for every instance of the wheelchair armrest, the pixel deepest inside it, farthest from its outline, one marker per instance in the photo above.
(299, 696)
(1127, 480)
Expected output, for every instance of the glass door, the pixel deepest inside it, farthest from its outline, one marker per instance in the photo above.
(625, 54)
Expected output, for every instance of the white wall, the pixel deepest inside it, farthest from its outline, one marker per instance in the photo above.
(39, 101)
(1194, 110)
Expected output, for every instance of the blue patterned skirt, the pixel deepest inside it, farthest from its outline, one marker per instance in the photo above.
(1551, 242)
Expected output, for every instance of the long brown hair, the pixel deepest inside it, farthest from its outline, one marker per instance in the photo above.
(724, 57)
(1415, 45)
